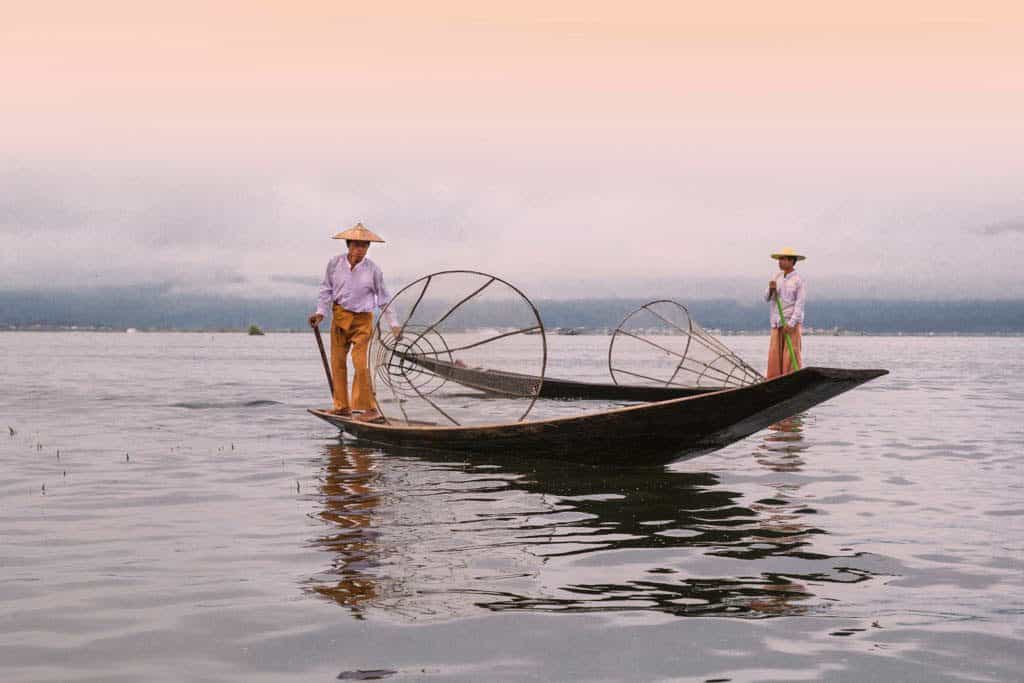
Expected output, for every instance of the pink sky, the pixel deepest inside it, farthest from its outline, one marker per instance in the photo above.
(272, 67)
(571, 119)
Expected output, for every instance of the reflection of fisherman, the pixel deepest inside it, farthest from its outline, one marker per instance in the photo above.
(352, 287)
(351, 498)
(783, 445)
(789, 287)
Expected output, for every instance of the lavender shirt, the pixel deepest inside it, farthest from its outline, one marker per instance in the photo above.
(360, 289)
(794, 295)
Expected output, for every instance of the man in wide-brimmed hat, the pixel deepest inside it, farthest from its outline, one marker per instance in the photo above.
(787, 286)
(352, 288)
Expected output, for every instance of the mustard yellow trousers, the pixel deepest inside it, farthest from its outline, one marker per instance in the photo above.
(351, 331)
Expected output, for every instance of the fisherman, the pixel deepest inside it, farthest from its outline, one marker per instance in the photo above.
(787, 286)
(352, 287)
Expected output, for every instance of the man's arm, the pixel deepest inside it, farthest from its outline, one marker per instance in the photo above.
(325, 297)
(769, 293)
(383, 299)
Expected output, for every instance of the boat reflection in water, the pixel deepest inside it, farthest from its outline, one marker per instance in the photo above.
(424, 536)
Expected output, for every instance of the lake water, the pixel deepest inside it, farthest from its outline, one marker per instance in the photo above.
(169, 511)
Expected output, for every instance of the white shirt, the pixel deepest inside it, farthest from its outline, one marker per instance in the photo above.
(793, 292)
(360, 289)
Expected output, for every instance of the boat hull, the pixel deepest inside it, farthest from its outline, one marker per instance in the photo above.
(654, 433)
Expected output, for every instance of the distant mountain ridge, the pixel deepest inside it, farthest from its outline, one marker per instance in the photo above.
(159, 308)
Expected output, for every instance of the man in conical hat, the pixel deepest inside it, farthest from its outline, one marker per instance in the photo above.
(788, 287)
(353, 286)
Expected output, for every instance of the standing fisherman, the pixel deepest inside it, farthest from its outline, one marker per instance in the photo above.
(787, 287)
(352, 287)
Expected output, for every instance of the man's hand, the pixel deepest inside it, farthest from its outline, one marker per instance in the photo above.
(315, 319)
(396, 332)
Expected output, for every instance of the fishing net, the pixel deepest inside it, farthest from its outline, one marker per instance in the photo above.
(659, 344)
(465, 336)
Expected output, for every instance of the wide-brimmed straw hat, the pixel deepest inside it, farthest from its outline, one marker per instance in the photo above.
(359, 233)
(788, 252)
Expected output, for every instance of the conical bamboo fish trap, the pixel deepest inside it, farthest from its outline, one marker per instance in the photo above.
(659, 344)
(452, 321)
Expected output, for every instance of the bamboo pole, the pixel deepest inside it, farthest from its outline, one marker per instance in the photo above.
(323, 357)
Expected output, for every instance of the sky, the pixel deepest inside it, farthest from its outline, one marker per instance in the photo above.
(575, 149)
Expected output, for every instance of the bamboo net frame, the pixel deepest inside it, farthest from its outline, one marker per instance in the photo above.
(660, 344)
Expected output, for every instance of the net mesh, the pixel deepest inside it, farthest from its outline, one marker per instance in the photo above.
(660, 344)
(465, 336)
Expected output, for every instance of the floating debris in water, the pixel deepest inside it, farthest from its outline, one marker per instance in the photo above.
(11, 430)
(296, 486)
(44, 488)
(58, 454)
(232, 445)
(126, 459)
(365, 674)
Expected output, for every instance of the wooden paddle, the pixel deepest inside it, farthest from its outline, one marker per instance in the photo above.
(323, 357)
(789, 344)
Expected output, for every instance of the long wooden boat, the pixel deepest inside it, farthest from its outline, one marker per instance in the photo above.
(655, 433)
(502, 383)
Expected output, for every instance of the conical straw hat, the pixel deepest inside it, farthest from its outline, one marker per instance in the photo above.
(360, 233)
(788, 252)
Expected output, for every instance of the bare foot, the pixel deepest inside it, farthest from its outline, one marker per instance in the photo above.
(369, 416)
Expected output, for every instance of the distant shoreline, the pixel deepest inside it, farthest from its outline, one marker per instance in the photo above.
(581, 333)
(151, 310)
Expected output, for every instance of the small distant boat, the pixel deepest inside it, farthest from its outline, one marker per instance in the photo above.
(131, 330)
(255, 331)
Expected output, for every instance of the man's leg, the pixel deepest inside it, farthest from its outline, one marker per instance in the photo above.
(362, 390)
(340, 344)
(774, 358)
(796, 339)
